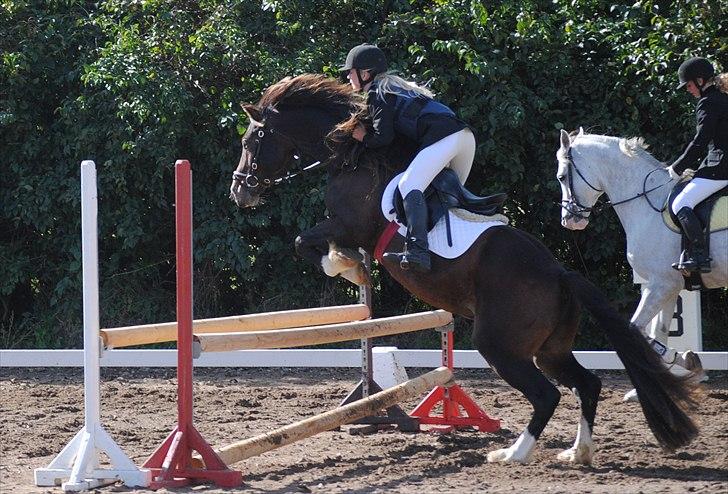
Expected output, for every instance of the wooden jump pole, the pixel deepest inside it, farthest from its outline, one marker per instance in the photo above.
(317, 335)
(371, 405)
(157, 333)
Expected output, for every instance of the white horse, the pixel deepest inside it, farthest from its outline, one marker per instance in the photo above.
(637, 185)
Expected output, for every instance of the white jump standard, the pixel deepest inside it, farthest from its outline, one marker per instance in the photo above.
(79, 460)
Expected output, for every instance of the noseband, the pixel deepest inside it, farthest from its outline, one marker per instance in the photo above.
(575, 208)
(249, 177)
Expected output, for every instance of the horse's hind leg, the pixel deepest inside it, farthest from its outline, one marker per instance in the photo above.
(586, 387)
(525, 377)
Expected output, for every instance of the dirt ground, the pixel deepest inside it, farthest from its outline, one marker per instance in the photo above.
(41, 410)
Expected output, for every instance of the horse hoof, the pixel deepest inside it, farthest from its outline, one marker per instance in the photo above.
(692, 362)
(358, 275)
(631, 397)
(581, 456)
(505, 456)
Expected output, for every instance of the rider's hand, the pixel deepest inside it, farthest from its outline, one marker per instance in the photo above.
(689, 173)
(359, 133)
(673, 173)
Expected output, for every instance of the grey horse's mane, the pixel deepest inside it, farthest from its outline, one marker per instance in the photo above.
(629, 146)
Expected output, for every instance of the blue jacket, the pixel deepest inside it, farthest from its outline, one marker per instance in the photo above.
(398, 112)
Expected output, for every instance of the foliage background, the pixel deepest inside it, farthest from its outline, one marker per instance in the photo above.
(137, 84)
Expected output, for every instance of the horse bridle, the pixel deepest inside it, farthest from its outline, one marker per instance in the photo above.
(580, 208)
(250, 179)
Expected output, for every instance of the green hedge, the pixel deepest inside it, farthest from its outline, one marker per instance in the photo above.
(136, 85)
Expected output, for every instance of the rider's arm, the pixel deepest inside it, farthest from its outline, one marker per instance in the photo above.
(382, 113)
(707, 123)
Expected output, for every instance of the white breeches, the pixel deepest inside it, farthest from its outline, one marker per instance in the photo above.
(694, 192)
(456, 150)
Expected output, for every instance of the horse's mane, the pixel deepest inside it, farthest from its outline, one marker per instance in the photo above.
(348, 152)
(310, 90)
(629, 146)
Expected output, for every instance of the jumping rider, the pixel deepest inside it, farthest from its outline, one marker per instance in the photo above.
(698, 77)
(397, 105)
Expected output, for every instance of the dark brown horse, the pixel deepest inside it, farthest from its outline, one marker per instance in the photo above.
(524, 305)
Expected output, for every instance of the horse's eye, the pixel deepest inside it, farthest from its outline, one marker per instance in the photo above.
(560, 178)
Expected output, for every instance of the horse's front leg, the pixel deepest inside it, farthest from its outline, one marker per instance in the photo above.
(318, 245)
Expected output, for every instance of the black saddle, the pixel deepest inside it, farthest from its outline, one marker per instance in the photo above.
(446, 192)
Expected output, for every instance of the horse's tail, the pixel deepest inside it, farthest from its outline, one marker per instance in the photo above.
(666, 399)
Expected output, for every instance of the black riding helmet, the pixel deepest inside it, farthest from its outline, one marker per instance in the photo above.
(694, 68)
(365, 57)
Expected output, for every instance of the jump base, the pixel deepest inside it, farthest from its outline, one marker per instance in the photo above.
(394, 414)
(79, 463)
(171, 464)
(452, 400)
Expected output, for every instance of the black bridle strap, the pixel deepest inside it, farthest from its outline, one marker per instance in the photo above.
(573, 165)
(251, 180)
(595, 209)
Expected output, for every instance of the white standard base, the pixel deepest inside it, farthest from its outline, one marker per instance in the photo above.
(79, 463)
(388, 370)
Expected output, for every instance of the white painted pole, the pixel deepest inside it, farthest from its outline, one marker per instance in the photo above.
(90, 257)
(79, 460)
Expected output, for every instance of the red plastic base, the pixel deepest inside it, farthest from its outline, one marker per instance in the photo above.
(453, 399)
(171, 463)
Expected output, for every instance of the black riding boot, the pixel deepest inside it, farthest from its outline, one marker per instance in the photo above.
(416, 254)
(696, 258)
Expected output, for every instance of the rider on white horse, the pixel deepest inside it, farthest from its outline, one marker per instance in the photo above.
(697, 76)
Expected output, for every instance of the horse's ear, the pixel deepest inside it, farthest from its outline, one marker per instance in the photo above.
(565, 139)
(254, 114)
(581, 131)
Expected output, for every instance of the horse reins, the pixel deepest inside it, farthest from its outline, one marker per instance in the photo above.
(580, 208)
(252, 181)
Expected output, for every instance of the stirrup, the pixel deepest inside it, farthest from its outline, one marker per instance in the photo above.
(407, 261)
(691, 266)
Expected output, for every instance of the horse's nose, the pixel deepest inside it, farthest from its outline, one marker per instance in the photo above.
(237, 194)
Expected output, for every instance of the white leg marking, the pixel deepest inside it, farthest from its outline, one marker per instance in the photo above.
(520, 451)
(335, 262)
(357, 275)
(583, 449)
(331, 268)
(631, 397)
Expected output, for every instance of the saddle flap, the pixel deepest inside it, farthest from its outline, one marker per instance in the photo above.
(712, 211)
(446, 192)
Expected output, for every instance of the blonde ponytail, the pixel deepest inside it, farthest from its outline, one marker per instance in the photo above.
(388, 82)
(721, 82)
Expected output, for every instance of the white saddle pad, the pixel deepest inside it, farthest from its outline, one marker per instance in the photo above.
(465, 226)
